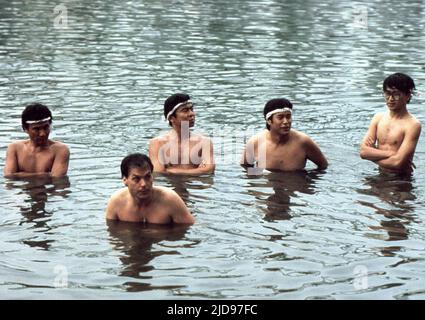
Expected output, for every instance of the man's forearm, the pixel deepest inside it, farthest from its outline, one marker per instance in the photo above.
(374, 154)
(27, 174)
(190, 171)
(394, 162)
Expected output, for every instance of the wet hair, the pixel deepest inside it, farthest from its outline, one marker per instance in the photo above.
(399, 81)
(33, 112)
(135, 160)
(274, 104)
(172, 101)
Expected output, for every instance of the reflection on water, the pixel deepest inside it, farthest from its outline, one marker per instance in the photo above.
(33, 209)
(106, 77)
(397, 192)
(180, 184)
(134, 241)
(285, 186)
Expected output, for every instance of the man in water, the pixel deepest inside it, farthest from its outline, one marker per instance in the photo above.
(180, 151)
(281, 148)
(37, 155)
(141, 201)
(392, 136)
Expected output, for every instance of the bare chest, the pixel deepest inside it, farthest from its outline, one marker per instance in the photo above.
(183, 153)
(390, 134)
(285, 157)
(35, 161)
(152, 214)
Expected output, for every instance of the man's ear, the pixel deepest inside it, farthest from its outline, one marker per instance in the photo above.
(269, 122)
(172, 119)
(124, 180)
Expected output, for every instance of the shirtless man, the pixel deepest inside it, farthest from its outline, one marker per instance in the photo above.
(37, 155)
(140, 201)
(280, 148)
(392, 136)
(179, 151)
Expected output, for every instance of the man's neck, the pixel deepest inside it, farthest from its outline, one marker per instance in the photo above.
(180, 134)
(279, 138)
(398, 114)
(143, 202)
(34, 147)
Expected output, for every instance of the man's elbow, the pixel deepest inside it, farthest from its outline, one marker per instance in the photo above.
(363, 153)
(395, 164)
(58, 174)
(211, 169)
(159, 168)
(323, 165)
(399, 164)
(9, 173)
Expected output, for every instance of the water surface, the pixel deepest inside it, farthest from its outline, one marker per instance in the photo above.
(347, 233)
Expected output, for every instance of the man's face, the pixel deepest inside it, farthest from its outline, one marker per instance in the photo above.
(39, 133)
(185, 113)
(139, 182)
(395, 99)
(281, 122)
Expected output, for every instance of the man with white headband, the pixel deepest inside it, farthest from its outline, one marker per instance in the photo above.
(281, 148)
(37, 155)
(180, 151)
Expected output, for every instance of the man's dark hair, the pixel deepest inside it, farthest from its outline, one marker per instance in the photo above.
(34, 112)
(172, 101)
(399, 81)
(135, 160)
(274, 104)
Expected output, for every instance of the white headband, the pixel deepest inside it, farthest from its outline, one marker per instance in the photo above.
(37, 121)
(268, 115)
(176, 106)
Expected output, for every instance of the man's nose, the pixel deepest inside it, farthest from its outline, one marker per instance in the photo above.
(42, 133)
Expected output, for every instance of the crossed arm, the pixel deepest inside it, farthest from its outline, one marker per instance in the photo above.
(402, 159)
(207, 165)
(368, 148)
(59, 167)
(394, 160)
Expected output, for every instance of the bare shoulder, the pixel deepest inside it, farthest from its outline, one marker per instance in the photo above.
(300, 136)
(17, 144)
(261, 136)
(197, 137)
(205, 139)
(169, 197)
(376, 119)
(166, 194)
(119, 197)
(59, 146)
(414, 122)
(379, 115)
(159, 140)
